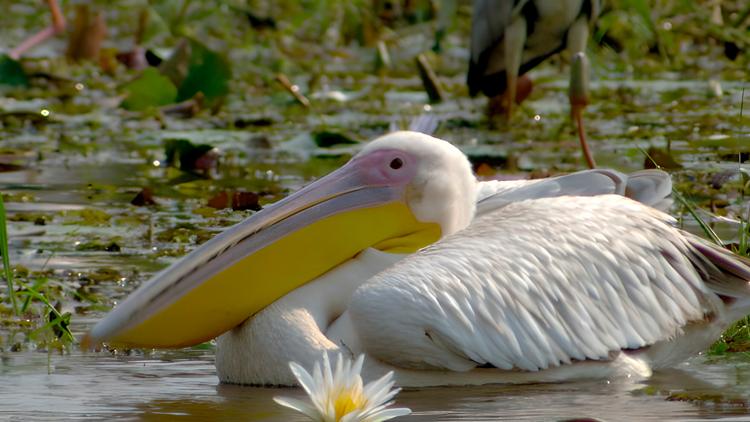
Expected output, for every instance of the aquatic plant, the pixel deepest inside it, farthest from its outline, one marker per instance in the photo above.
(6, 259)
(56, 320)
(339, 394)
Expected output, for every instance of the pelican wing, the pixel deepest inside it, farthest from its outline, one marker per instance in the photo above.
(540, 283)
(650, 187)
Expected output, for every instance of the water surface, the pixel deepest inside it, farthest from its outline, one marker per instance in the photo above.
(183, 386)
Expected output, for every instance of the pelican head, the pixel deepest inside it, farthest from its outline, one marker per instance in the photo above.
(442, 188)
(402, 192)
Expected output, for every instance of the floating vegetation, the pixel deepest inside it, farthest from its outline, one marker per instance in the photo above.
(30, 301)
(11, 72)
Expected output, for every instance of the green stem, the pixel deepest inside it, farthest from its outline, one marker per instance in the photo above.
(58, 316)
(691, 210)
(6, 257)
(181, 15)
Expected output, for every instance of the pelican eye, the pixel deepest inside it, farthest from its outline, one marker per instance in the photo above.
(397, 163)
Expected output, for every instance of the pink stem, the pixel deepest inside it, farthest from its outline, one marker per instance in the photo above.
(57, 26)
(577, 111)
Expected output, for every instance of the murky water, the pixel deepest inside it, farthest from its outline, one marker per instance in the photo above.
(183, 386)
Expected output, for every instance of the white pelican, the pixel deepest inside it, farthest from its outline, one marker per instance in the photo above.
(521, 281)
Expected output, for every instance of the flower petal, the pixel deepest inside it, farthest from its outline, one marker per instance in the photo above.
(341, 374)
(305, 380)
(327, 373)
(384, 396)
(357, 367)
(340, 388)
(379, 391)
(300, 406)
(351, 417)
(386, 414)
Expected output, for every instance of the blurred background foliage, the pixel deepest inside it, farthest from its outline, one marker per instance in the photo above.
(637, 37)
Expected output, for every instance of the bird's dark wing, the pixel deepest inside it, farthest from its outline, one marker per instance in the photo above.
(489, 21)
(546, 28)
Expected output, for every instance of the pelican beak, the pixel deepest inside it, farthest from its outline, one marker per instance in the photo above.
(252, 264)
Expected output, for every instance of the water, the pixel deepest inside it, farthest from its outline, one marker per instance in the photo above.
(183, 386)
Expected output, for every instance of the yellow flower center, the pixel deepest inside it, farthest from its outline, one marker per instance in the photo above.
(349, 400)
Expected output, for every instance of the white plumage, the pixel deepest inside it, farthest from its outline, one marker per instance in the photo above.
(551, 280)
(552, 286)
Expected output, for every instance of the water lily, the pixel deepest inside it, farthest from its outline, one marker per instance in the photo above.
(339, 395)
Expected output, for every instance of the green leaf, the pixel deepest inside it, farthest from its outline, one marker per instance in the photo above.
(11, 72)
(176, 66)
(718, 348)
(208, 73)
(643, 9)
(327, 139)
(155, 26)
(151, 89)
(5, 257)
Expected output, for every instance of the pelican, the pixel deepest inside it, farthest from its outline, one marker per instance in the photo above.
(403, 256)
(511, 37)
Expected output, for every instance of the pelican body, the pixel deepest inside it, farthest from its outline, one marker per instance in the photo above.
(403, 255)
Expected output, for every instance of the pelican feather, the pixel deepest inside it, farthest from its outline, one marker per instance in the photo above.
(559, 280)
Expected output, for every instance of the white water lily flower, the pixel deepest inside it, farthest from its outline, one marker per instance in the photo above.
(338, 396)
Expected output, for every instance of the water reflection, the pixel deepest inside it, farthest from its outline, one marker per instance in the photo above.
(183, 384)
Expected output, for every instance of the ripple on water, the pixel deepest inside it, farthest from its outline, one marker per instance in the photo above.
(162, 385)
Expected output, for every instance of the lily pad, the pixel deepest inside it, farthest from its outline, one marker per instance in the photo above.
(208, 73)
(89, 217)
(11, 72)
(327, 139)
(184, 233)
(151, 89)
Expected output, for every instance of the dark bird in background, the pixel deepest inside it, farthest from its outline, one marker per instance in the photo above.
(510, 37)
